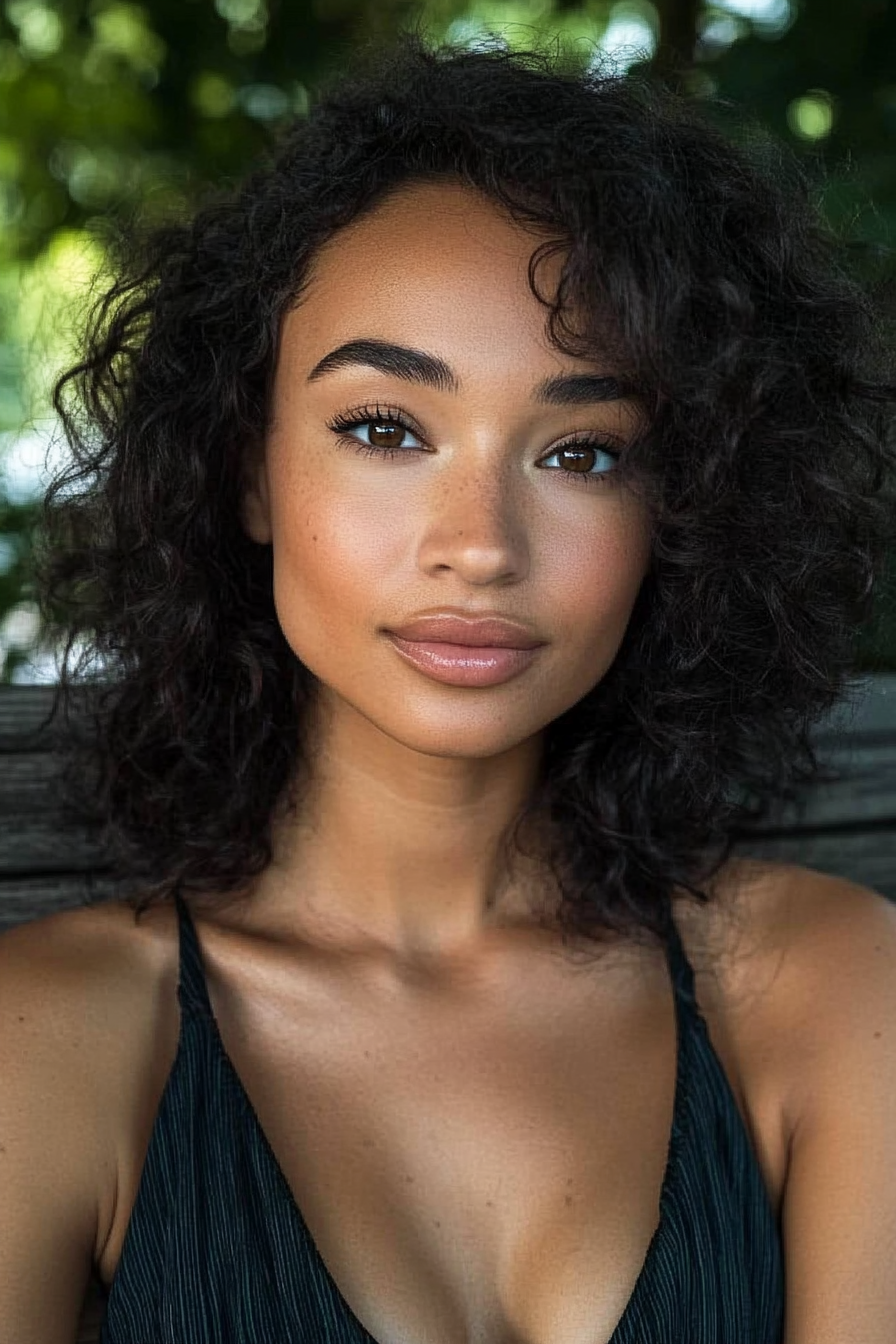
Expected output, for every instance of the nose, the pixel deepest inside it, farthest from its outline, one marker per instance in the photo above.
(475, 524)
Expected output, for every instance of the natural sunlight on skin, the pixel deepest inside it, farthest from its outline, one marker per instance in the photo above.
(414, 780)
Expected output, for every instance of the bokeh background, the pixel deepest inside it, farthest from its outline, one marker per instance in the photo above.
(110, 109)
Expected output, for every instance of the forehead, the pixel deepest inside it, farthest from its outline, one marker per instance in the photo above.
(423, 221)
(440, 257)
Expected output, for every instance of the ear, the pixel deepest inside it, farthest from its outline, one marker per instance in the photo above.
(255, 513)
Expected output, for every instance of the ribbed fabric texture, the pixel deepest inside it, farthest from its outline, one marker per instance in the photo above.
(217, 1251)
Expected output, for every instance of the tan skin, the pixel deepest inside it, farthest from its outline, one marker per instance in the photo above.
(474, 1126)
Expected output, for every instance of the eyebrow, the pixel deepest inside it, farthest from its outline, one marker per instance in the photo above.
(416, 366)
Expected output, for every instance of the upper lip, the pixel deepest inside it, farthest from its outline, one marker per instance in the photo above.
(492, 631)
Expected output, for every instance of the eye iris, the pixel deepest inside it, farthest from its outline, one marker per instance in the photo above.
(578, 455)
(390, 433)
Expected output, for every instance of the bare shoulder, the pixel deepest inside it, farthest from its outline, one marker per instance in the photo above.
(70, 943)
(787, 960)
(800, 924)
(91, 995)
(94, 958)
(782, 916)
(834, 943)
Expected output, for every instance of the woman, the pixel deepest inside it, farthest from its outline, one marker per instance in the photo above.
(474, 511)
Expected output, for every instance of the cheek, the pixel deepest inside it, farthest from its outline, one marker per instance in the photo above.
(596, 572)
(332, 556)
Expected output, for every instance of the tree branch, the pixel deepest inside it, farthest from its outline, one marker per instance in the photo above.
(677, 40)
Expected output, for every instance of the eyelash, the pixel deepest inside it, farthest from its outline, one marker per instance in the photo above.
(377, 415)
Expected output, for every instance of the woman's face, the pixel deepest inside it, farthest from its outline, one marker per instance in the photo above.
(473, 512)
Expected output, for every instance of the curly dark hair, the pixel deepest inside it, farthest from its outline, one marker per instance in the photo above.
(701, 261)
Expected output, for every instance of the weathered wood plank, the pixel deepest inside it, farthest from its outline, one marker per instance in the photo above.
(866, 792)
(42, 843)
(27, 781)
(22, 710)
(869, 707)
(36, 835)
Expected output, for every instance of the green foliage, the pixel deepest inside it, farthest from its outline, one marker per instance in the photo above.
(109, 107)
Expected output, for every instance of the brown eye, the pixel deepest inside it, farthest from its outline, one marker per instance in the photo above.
(577, 458)
(384, 435)
(581, 458)
(384, 427)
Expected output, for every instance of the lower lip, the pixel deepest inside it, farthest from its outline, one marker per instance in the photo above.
(462, 665)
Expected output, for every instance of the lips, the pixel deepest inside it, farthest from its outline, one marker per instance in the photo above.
(489, 632)
(470, 665)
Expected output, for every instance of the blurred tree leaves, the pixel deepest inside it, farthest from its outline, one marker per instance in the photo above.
(104, 104)
(109, 107)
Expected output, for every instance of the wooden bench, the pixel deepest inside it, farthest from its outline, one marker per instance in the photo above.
(847, 828)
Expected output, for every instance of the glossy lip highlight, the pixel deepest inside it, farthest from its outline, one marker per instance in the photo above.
(490, 631)
(464, 664)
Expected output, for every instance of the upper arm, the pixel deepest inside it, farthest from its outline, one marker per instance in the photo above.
(839, 1206)
(50, 1142)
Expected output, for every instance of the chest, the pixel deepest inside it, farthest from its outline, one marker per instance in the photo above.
(466, 1177)
(471, 1167)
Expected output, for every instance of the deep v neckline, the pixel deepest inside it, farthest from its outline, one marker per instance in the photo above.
(675, 959)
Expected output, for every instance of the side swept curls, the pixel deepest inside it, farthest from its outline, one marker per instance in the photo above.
(768, 464)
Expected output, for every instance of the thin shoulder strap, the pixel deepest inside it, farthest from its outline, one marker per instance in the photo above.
(681, 970)
(192, 991)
